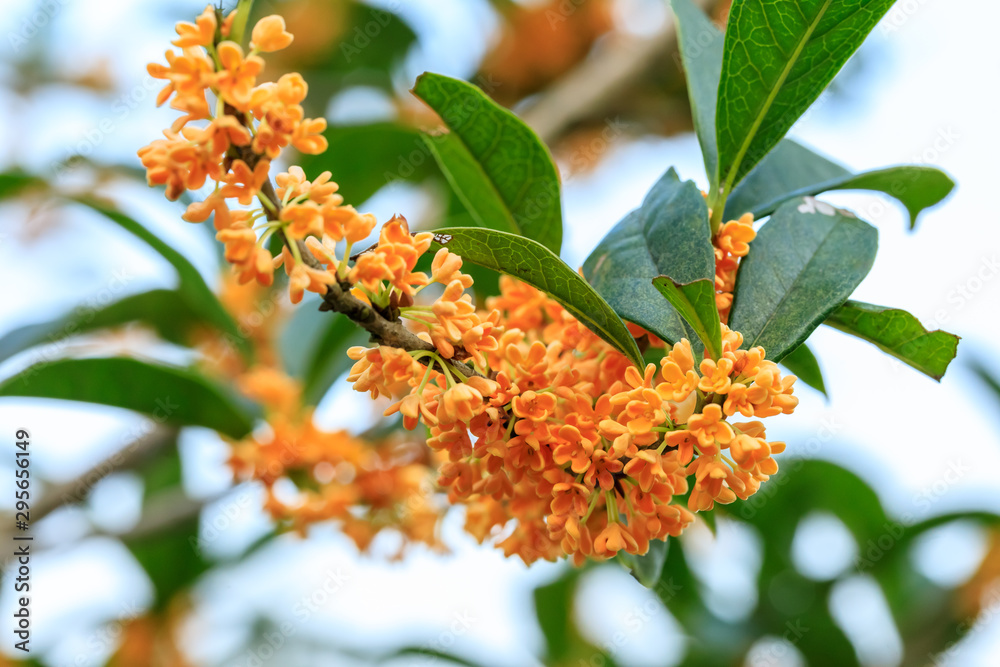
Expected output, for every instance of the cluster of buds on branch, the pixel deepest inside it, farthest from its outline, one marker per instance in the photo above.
(552, 439)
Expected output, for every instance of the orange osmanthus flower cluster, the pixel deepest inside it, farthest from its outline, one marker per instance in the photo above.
(555, 443)
(567, 448)
(732, 242)
(365, 486)
(232, 142)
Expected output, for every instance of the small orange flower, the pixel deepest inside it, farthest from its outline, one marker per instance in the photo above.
(270, 35)
(236, 80)
(715, 376)
(614, 538)
(199, 33)
(735, 236)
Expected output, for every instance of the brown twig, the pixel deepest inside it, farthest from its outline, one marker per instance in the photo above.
(133, 456)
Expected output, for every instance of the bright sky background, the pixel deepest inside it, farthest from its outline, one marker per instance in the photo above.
(924, 90)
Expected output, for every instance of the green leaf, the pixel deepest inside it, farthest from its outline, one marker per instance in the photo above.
(496, 164)
(804, 264)
(647, 568)
(314, 345)
(192, 286)
(538, 266)
(170, 559)
(898, 333)
(788, 168)
(667, 236)
(700, 45)
(15, 181)
(554, 608)
(793, 171)
(166, 311)
(380, 154)
(167, 394)
(696, 304)
(778, 58)
(803, 364)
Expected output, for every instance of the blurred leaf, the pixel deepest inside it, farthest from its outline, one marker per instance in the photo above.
(171, 559)
(162, 472)
(13, 182)
(379, 153)
(793, 171)
(554, 608)
(667, 235)
(988, 378)
(431, 656)
(169, 395)
(164, 310)
(898, 333)
(646, 568)
(313, 346)
(803, 364)
(339, 45)
(191, 287)
(778, 58)
(700, 45)
(805, 263)
(539, 267)
(500, 169)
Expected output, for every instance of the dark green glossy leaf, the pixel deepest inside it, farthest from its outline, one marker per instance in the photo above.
(778, 58)
(541, 268)
(898, 333)
(380, 153)
(167, 394)
(696, 304)
(789, 167)
(792, 171)
(700, 45)
(805, 263)
(803, 364)
(191, 285)
(667, 236)
(164, 310)
(497, 165)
